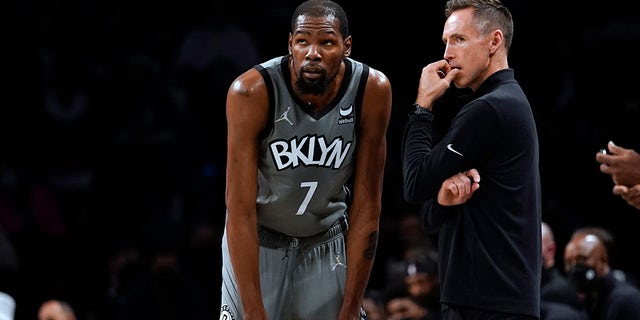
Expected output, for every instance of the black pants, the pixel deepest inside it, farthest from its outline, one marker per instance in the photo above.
(450, 312)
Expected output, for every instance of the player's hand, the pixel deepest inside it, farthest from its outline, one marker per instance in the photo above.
(258, 313)
(459, 188)
(630, 195)
(622, 164)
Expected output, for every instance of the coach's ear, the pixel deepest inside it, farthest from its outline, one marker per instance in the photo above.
(497, 38)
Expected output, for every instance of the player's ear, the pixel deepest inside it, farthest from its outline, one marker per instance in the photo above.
(347, 46)
(289, 42)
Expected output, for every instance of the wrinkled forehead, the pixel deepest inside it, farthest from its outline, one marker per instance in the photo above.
(326, 23)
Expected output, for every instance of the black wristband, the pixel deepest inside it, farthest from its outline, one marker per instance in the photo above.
(418, 109)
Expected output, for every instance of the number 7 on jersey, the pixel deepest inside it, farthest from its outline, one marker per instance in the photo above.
(312, 188)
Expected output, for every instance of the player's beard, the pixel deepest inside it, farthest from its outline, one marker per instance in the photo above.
(314, 86)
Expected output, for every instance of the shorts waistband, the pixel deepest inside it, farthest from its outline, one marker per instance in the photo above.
(273, 239)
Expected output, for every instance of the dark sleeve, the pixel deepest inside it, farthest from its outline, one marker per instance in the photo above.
(433, 215)
(417, 141)
(426, 164)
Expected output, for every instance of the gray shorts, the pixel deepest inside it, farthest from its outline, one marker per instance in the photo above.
(300, 278)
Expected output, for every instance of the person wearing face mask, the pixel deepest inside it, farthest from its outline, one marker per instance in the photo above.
(586, 262)
(558, 298)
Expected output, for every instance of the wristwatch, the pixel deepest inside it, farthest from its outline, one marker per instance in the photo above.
(418, 109)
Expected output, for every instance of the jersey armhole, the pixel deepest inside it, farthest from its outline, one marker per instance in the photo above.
(358, 102)
(271, 93)
(360, 97)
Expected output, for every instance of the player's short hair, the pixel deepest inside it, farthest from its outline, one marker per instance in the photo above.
(322, 8)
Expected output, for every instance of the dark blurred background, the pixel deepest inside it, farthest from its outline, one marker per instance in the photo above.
(112, 159)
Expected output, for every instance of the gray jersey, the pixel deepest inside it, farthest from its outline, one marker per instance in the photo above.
(306, 159)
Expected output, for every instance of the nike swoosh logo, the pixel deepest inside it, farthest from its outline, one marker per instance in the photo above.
(450, 147)
(347, 111)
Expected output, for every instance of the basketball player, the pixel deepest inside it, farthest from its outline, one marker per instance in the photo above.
(304, 129)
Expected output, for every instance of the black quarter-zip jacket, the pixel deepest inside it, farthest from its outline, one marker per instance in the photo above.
(489, 247)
